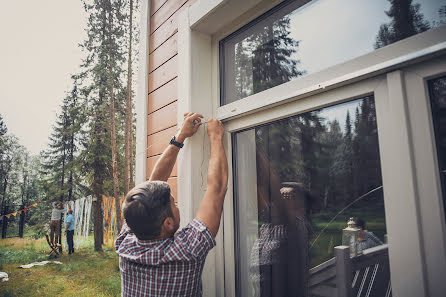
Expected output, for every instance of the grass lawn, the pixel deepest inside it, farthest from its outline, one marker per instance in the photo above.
(85, 273)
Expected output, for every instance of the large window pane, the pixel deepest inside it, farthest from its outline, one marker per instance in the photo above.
(437, 88)
(302, 37)
(298, 181)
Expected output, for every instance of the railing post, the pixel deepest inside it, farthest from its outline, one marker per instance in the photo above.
(343, 271)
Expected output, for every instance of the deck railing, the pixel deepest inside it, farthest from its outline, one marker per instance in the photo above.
(366, 275)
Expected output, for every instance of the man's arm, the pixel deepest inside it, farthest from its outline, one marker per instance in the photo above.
(164, 165)
(211, 206)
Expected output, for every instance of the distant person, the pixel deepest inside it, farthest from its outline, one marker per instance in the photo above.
(69, 229)
(155, 259)
(56, 215)
(366, 238)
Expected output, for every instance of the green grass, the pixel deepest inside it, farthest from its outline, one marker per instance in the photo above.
(85, 273)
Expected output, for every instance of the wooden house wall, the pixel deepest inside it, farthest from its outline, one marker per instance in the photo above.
(163, 73)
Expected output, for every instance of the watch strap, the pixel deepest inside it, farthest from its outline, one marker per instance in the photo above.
(176, 143)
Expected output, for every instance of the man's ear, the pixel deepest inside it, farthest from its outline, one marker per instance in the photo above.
(168, 224)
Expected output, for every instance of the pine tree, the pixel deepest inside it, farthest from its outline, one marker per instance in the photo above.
(406, 20)
(59, 159)
(272, 59)
(103, 66)
(128, 170)
(10, 160)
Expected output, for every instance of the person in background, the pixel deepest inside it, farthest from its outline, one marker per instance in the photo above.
(69, 229)
(366, 238)
(56, 215)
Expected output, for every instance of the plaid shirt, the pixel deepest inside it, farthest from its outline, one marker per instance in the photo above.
(166, 267)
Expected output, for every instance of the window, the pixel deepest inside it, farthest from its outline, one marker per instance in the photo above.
(437, 90)
(297, 183)
(302, 37)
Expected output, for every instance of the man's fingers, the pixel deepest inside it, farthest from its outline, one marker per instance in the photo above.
(197, 125)
(195, 116)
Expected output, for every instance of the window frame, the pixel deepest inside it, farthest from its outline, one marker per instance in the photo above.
(201, 27)
(427, 177)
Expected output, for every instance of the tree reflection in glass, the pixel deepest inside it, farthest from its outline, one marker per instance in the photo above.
(264, 60)
(304, 37)
(307, 169)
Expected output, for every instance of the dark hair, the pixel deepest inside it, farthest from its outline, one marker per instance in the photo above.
(360, 223)
(145, 208)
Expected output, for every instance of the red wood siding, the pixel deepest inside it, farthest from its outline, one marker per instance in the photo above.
(163, 81)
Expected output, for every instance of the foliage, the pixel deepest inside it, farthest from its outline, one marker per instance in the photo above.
(78, 160)
(406, 20)
(266, 59)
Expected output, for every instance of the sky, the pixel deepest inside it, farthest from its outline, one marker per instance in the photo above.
(39, 51)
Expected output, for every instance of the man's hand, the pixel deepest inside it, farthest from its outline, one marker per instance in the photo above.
(164, 165)
(192, 121)
(215, 130)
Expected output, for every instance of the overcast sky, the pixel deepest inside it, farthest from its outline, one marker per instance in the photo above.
(38, 53)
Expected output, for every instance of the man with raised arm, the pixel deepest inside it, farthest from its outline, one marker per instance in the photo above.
(155, 259)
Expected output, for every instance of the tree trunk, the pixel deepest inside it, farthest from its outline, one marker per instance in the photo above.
(62, 179)
(129, 113)
(21, 222)
(113, 130)
(5, 222)
(60, 233)
(5, 207)
(98, 222)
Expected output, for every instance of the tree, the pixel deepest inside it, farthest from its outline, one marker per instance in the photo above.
(3, 128)
(103, 67)
(406, 20)
(10, 160)
(272, 59)
(265, 59)
(59, 160)
(128, 170)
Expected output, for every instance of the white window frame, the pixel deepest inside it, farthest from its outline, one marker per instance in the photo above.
(141, 95)
(201, 26)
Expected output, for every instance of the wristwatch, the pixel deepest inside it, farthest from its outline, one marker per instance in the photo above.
(176, 143)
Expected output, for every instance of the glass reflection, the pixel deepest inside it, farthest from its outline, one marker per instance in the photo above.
(298, 181)
(437, 88)
(304, 37)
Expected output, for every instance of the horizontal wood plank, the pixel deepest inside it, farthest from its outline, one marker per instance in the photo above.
(157, 143)
(163, 74)
(155, 5)
(151, 164)
(164, 13)
(162, 119)
(167, 29)
(164, 32)
(163, 96)
(162, 54)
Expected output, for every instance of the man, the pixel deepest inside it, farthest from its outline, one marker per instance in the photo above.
(366, 238)
(69, 230)
(154, 259)
(56, 215)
